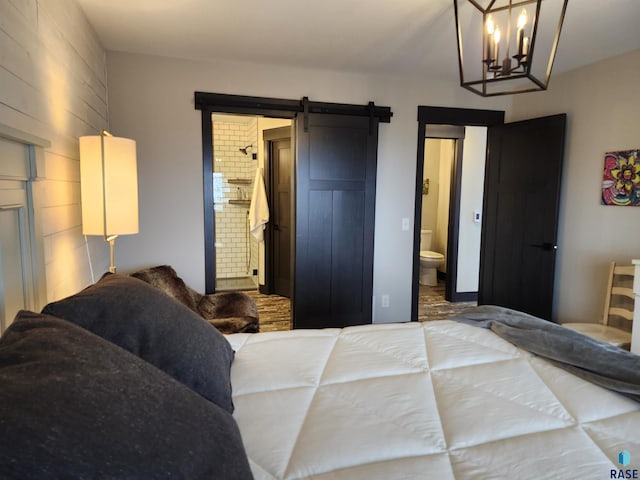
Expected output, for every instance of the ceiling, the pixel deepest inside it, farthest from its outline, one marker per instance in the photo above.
(371, 36)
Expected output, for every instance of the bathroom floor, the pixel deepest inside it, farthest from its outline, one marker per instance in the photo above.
(274, 310)
(235, 283)
(433, 306)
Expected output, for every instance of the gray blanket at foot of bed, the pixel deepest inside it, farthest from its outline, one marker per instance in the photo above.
(600, 363)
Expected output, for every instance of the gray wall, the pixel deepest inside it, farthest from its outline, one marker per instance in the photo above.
(602, 102)
(55, 87)
(151, 100)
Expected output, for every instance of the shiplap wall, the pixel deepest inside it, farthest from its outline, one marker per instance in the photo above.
(53, 85)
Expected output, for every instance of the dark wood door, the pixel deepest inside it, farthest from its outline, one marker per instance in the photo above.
(281, 163)
(335, 209)
(522, 196)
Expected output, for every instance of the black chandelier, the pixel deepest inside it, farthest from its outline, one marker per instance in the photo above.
(507, 46)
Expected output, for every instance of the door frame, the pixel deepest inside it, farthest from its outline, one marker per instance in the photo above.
(209, 103)
(428, 115)
(273, 134)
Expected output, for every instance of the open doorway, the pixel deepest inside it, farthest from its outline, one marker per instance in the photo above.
(452, 194)
(520, 207)
(241, 161)
(234, 151)
(459, 226)
(333, 184)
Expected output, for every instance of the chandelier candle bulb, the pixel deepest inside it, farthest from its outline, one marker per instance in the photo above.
(522, 21)
(496, 44)
(490, 29)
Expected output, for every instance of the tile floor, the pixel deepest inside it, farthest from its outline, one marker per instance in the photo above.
(235, 283)
(433, 306)
(275, 310)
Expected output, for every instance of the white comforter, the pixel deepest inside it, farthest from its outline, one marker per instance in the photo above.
(437, 400)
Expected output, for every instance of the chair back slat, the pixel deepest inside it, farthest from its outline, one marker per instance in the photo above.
(620, 297)
(624, 270)
(623, 292)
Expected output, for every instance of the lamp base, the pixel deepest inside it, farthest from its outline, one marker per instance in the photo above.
(112, 253)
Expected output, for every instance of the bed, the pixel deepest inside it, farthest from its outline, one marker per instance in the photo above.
(122, 381)
(439, 399)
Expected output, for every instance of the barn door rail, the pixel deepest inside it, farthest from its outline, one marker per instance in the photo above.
(283, 108)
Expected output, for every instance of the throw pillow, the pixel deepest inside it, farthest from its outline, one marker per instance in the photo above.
(73, 405)
(141, 319)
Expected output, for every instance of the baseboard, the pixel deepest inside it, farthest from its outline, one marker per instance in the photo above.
(464, 297)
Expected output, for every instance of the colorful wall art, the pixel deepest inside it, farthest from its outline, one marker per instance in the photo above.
(621, 178)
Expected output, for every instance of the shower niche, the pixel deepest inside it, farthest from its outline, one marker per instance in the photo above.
(242, 197)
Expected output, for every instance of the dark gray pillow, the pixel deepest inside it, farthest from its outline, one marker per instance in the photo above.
(73, 405)
(141, 319)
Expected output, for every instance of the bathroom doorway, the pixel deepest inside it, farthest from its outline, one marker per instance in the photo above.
(335, 152)
(452, 195)
(439, 157)
(461, 248)
(238, 154)
(235, 139)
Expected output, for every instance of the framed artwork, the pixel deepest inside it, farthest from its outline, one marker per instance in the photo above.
(621, 178)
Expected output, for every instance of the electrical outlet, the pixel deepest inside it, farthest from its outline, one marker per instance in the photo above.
(405, 224)
(255, 271)
(385, 301)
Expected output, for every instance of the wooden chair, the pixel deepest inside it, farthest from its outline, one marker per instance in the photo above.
(615, 327)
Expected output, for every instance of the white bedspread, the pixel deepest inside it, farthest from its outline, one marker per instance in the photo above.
(438, 400)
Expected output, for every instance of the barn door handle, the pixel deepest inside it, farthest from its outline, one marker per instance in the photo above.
(545, 246)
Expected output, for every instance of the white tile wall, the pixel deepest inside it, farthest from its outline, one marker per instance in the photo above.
(236, 249)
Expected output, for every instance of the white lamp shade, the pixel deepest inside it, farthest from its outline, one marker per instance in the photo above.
(109, 185)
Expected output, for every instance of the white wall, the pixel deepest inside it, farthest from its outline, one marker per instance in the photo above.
(603, 104)
(53, 85)
(431, 171)
(473, 162)
(151, 100)
(440, 239)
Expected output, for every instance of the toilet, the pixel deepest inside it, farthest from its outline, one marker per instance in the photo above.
(429, 261)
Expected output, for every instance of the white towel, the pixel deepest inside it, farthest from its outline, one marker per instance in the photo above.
(259, 209)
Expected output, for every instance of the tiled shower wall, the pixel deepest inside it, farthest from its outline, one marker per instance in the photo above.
(236, 249)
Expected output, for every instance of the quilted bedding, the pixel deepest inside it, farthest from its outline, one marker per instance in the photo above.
(440, 400)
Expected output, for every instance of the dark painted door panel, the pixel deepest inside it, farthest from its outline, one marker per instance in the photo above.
(522, 197)
(335, 208)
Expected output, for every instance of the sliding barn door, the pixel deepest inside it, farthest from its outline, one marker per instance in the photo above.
(335, 208)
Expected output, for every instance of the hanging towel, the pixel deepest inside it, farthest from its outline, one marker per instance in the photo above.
(259, 209)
